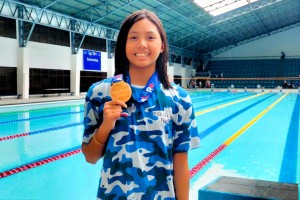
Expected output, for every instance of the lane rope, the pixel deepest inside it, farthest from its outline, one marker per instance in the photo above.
(40, 117)
(39, 131)
(38, 110)
(229, 104)
(38, 163)
(225, 144)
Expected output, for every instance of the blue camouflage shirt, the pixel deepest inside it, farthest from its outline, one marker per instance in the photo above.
(138, 162)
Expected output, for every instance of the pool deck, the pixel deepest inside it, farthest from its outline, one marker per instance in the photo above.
(38, 99)
(234, 188)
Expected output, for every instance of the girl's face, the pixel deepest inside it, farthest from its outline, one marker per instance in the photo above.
(143, 45)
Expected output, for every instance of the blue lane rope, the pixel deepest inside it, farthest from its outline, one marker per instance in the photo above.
(54, 128)
(38, 110)
(40, 117)
(39, 131)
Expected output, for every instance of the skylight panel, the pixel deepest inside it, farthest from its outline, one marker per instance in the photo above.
(218, 7)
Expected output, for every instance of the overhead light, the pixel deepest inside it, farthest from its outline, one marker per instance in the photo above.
(218, 7)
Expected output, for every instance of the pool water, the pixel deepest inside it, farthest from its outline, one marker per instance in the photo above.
(243, 134)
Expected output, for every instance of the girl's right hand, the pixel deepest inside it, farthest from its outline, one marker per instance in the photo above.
(112, 112)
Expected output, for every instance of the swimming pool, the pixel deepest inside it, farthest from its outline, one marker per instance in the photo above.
(243, 134)
(252, 135)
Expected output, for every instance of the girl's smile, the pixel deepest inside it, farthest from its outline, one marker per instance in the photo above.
(142, 54)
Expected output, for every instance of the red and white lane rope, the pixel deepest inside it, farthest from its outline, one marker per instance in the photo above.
(38, 163)
(39, 131)
(13, 136)
(206, 160)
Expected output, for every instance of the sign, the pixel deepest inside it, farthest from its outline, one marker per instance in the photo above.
(91, 60)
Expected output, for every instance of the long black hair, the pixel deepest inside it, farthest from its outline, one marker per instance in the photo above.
(121, 61)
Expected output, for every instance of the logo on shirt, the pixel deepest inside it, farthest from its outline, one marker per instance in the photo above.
(162, 116)
(150, 88)
(144, 98)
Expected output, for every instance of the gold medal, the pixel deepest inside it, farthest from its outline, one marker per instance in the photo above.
(120, 91)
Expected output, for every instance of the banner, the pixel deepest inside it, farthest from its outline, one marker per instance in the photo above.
(91, 60)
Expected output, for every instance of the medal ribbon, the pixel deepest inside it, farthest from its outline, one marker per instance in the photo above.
(117, 78)
(148, 89)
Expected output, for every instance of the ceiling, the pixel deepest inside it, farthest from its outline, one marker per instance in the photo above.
(188, 26)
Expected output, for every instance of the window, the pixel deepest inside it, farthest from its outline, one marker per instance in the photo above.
(8, 80)
(48, 35)
(41, 79)
(7, 27)
(218, 7)
(87, 78)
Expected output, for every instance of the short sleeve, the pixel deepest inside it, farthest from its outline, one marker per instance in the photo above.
(186, 132)
(95, 98)
(90, 117)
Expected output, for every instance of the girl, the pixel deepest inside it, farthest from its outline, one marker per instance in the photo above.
(144, 141)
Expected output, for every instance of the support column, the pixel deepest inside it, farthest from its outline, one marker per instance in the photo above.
(75, 75)
(23, 73)
(75, 68)
(23, 59)
(110, 59)
(170, 72)
(110, 67)
(182, 62)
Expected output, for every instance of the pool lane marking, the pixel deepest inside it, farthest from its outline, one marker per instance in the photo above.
(41, 162)
(39, 131)
(250, 123)
(228, 104)
(225, 144)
